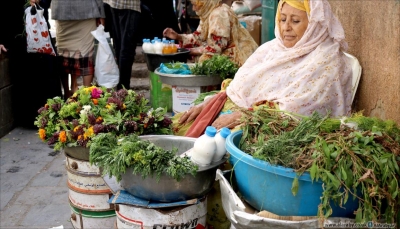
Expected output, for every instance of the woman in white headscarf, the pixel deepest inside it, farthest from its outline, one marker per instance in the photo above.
(302, 70)
(219, 32)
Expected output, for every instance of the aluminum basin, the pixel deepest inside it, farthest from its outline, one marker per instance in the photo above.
(167, 189)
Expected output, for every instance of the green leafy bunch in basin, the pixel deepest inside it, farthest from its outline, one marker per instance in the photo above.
(115, 155)
(219, 65)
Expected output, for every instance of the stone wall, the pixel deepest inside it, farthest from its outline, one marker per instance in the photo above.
(6, 114)
(372, 30)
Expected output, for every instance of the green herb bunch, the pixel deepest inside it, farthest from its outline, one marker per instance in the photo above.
(115, 155)
(356, 157)
(219, 65)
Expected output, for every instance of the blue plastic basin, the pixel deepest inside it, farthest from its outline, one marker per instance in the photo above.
(268, 187)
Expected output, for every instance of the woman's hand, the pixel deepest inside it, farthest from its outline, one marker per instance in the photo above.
(196, 51)
(191, 114)
(194, 111)
(171, 34)
(100, 21)
(32, 2)
(227, 120)
(2, 48)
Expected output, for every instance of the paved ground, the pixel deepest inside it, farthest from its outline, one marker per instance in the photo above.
(33, 191)
(33, 178)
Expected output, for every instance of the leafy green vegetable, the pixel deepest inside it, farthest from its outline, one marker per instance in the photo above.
(356, 157)
(115, 155)
(219, 65)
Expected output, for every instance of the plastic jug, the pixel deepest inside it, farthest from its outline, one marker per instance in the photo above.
(204, 147)
(220, 139)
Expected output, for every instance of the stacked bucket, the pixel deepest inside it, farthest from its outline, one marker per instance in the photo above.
(88, 192)
(184, 214)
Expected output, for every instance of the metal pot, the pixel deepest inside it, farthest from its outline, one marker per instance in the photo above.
(77, 152)
(167, 189)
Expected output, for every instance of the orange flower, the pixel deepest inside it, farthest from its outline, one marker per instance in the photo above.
(95, 101)
(99, 120)
(46, 106)
(80, 137)
(42, 134)
(63, 136)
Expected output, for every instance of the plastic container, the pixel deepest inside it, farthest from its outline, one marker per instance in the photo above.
(158, 46)
(267, 187)
(204, 147)
(160, 93)
(220, 141)
(268, 13)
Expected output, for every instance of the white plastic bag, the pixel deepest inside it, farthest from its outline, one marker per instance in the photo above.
(37, 32)
(106, 69)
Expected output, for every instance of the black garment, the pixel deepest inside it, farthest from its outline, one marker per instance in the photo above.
(156, 16)
(125, 27)
(34, 77)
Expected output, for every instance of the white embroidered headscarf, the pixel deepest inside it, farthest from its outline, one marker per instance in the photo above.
(313, 75)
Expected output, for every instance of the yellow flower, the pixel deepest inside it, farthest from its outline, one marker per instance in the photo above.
(42, 134)
(91, 88)
(108, 106)
(89, 132)
(123, 106)
(76, 128)
(63, 136)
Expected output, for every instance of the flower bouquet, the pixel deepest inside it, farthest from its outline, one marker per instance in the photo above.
(93, 110)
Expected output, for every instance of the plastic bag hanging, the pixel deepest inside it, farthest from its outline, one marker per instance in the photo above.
(37, 32)
(106, 69)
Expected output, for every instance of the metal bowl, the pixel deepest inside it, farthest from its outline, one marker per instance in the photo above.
(188, 80)
(77, 152)
(167, 189)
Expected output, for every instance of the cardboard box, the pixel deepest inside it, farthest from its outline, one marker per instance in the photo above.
(253, 25)
(183, 97)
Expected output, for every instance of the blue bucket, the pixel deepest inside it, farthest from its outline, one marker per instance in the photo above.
(268, 187)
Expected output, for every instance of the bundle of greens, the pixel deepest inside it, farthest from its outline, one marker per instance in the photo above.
(357, 157)
(115, 155)
(219, 65)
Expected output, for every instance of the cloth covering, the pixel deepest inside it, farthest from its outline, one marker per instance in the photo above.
(313, 75)
(207, 115)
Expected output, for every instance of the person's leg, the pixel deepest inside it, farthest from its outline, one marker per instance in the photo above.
(116, 32)
(87, 80)
(65, 84)
(128, 21)
(74, 83)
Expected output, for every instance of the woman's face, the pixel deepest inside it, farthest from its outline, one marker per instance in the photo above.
(196, 5)
(293, 24)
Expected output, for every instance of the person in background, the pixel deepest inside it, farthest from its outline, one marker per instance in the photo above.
(125, 33)
(74, 20)
(219, 32)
